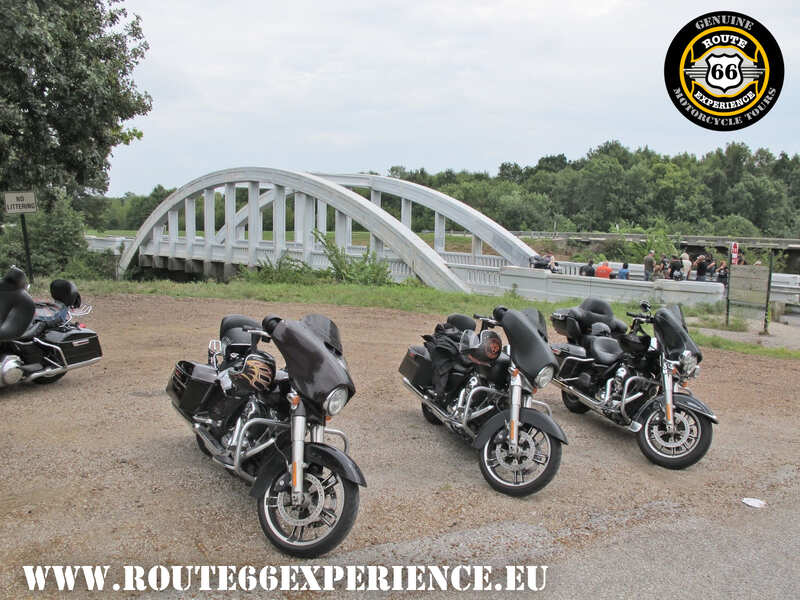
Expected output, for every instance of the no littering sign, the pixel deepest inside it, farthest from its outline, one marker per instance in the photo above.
(20, 202)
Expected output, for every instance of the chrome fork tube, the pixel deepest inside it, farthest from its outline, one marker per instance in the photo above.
(298, 450)
(516, 403)
(666, 370)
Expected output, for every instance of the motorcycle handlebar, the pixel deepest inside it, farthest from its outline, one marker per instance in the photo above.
(487, 320)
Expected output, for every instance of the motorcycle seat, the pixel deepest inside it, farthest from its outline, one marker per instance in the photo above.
(595, 310)
(35, 329)
(461, 322)
(605, 350)
(567, 349)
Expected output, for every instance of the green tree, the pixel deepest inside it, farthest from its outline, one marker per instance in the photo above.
(55, 237)
(66, 90)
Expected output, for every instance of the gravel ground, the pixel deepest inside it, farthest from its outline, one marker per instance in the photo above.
(99, 469)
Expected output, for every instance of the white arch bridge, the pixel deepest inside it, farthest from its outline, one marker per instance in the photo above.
(161, 243)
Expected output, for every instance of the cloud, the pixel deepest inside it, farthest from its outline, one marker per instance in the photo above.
(357, 85)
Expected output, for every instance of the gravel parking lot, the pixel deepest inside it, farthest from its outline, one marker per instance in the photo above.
(99, 469)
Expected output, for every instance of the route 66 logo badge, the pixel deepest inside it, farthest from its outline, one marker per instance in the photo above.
(724, 71)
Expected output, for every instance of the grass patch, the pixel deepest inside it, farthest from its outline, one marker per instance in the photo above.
(411, 298)
(720, 343)
(707, 322)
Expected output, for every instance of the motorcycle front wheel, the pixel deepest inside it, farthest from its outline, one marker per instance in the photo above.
(680, 448)
(317, 525)
(532, 467)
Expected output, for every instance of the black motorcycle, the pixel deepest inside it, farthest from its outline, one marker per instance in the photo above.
(635, 380)
(483, 391)
(39, 341)
(253, 418)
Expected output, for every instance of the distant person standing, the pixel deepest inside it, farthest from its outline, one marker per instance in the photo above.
(603, 271)
(587, 270)
(624, 272)
(687, 265)
(712, 266)
(649, 265)
(675, 268)
(722, 273)
(701, 266)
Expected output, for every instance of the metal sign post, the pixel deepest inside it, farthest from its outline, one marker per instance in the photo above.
(769, 289)
(21, 203)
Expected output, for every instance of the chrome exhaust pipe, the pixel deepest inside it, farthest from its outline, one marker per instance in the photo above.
(435, 410)
(583, 398)
(60, 370)
(213, 445)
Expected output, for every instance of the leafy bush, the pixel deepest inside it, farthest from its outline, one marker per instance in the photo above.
(284, 270)
(365, 270)
(91, 265)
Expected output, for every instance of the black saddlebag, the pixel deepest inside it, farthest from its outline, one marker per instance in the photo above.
(189, 384)
(78, 344)
(416, 367)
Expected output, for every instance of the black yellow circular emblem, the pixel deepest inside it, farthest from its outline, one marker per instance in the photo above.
(724, 71)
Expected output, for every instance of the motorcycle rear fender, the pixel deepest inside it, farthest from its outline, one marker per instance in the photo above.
(326, 455)
(686, 401)
(526, 415)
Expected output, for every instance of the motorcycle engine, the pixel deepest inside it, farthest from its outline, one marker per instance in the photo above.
(614, 392)
(252, 410)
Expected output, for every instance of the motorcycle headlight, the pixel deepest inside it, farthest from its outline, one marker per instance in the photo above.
(688, 363)
(336, 400)
(544, 377)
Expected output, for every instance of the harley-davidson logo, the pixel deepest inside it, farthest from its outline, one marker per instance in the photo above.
(724, 71)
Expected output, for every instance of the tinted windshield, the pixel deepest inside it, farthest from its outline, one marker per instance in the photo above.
(314, 370)
(670, 330)
(528, 350)
(324, 329)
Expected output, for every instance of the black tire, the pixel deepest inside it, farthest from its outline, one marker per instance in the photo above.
(692, 426)
(268, 518)
(429, 416)
(539, 481)
(572, 403)
(201, 445)
(51, 379)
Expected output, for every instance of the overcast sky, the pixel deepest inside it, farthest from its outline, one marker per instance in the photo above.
(357, 85)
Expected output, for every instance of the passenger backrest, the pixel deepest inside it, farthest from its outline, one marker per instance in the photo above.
(65, 292)
(16, 305)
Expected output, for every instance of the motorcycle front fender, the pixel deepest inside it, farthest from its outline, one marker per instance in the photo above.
(686, 401)
(526, 415)
(322, 454)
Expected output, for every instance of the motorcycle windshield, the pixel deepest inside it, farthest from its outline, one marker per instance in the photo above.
(315, 370)
(324, 329)
(670, 329)
(529, 350)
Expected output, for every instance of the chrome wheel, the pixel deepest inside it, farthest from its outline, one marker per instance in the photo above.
(680, 441)
(526, 470)
(687, 443)
(318, 523)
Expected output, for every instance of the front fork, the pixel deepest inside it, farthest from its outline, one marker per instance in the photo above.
(298, 448)
(666, 372)
(516, 402)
